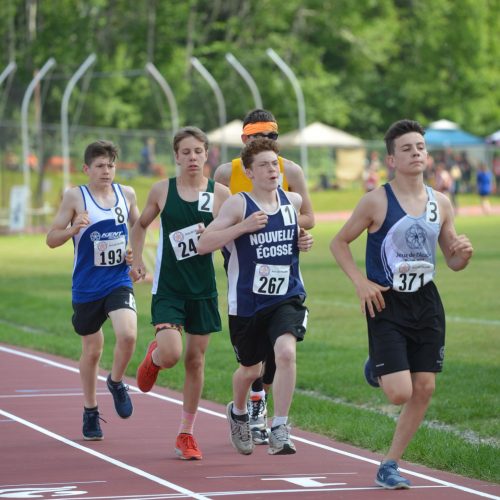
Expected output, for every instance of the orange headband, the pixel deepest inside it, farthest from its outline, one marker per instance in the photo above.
(259, 127)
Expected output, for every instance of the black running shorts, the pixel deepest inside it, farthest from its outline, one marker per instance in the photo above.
(409, 333)
(253, 337)
(88, 317)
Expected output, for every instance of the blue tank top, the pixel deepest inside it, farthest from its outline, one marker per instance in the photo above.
(263, 267)
(402, 253)
(99, 262)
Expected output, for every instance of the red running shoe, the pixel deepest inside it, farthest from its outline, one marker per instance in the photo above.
(147, 373)
(186, 447)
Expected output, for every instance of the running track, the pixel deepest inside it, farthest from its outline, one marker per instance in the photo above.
(43, 455)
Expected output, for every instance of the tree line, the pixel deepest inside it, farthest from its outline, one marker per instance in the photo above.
(361, 65)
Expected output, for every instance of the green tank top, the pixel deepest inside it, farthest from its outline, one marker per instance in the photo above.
(180, 271)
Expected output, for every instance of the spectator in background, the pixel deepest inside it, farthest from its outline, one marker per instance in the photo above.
(484, 183)
(443, 182)
(466, 169)
(147, 157)
(496, 172)
(371, 173)
(429, 170)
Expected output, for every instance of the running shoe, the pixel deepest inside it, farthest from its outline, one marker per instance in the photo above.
(147, 373)
(257, 411)
(91, 426)
(370, 377)
(260, 436)
(280, 442)
(240, 434)
(389, 478)
(123, 403)
(186, 447)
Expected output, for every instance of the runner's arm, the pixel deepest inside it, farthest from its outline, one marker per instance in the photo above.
(67, 222)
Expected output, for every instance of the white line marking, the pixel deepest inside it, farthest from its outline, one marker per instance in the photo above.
(104, 457)
(216, 414)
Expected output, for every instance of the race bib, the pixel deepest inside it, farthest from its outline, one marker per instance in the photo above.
(271, 279)
(410, 276)
(206, 202)
(109, 252)
(288, 214)
(119, 214)
(432, 212)
(185, 241)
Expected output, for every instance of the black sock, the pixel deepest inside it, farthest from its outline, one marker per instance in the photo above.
(257, 385)
(89, 410)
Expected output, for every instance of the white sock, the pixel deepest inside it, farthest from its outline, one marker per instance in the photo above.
(279, 421)
(258, 394)
(237, 411)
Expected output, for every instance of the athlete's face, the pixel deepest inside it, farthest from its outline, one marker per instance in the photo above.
(265, 171)
(101, 170)
(191, 155)
(410, 154)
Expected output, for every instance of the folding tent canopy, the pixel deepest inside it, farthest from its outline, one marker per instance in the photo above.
(320, 135)
(229, 134)
(445, 133)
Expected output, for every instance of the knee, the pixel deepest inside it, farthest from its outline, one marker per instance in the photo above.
(127, 339)
(168, 359)
(92, 354)
(424, 390)
(285, 356)
(194, 363)
(399, 394)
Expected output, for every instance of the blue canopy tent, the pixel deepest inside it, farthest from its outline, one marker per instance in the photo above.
(444, 133)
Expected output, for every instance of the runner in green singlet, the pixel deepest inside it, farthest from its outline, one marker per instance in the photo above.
(184, 289)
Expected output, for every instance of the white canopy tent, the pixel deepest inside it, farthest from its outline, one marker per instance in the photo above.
(229, 134)
(350, 151)
(444, 125)
(320, 135)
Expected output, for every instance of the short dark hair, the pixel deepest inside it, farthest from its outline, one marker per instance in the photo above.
(255, 147)
(258, 115)
(190, 132)
(398, 129)
(100, 148)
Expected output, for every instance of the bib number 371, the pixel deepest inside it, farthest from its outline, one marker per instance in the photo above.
(410, 276)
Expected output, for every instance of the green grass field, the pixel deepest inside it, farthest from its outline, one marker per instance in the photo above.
(461, 430)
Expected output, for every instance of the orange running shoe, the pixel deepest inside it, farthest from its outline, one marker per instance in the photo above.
(187, 448)
(147, 373)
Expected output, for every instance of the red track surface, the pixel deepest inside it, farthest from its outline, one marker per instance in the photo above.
(43, 455)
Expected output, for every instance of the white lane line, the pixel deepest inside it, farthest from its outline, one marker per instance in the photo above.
(296, 438)
(106, 458)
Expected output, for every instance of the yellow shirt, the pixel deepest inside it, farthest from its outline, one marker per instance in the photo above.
(240, 182)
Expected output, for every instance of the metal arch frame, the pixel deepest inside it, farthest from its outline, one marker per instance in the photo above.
(218, 95)
(24, 119)
(257, 99)
(300, 105)
(167, 90)
(64, 115)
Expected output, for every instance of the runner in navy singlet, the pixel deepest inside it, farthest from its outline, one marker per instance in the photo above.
(405, 220)
(96, 216)
(261, 239)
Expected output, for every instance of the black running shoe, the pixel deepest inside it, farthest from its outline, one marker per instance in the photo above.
(91, 426)
(123, 403)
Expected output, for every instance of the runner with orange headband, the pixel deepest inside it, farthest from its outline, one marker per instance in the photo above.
(262, 123)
